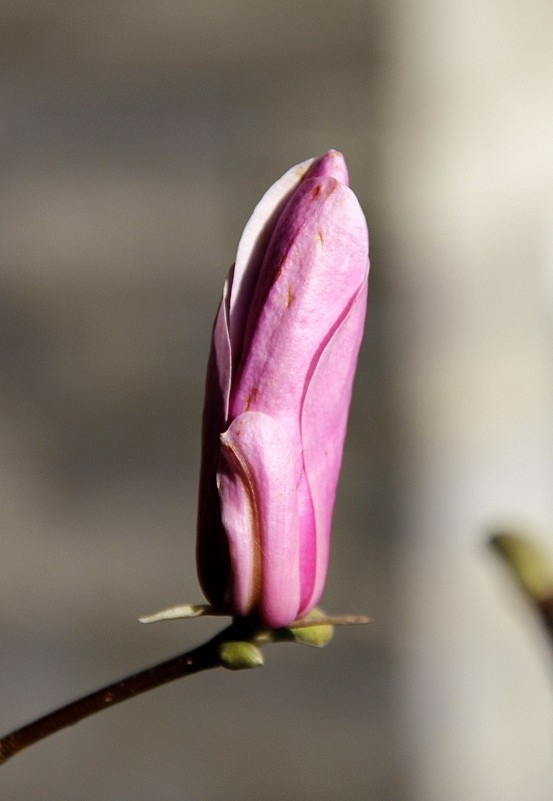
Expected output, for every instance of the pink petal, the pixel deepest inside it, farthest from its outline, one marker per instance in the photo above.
(315, 264)
(332, 164)
(260, 227)
(320, 251)
(253, 243)
(324, 420)
(257, 487)
(213, 573)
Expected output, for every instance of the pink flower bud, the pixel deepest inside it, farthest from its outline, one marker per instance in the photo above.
(278, 390)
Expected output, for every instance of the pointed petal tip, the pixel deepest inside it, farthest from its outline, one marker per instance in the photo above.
(332, 164)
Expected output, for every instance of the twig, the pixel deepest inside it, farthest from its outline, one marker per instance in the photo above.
(204, 657)
(532, 569)
(236, 647)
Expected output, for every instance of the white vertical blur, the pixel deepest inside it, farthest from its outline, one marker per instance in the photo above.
(471, 189)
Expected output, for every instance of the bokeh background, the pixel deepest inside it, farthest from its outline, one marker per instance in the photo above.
(136, 139)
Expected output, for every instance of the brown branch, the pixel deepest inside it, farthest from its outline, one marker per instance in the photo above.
(236, 648)
(204, 657)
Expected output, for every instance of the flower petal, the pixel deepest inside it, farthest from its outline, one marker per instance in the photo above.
(324, 420)
(253, 243)
(318, 259)
(314, 266)
(259, 229)
(332, 164)
(213, 573)
(257, 488)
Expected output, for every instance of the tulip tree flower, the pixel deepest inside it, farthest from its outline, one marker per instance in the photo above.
(278, 389)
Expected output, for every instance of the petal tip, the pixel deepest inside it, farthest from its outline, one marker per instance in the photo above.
(332, 164)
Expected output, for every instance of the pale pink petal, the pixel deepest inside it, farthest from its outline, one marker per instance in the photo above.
(321, 254)
(312, 271)
(324, 420)
(253, 243)
(259, 512)
(332, 164)
(260, 227)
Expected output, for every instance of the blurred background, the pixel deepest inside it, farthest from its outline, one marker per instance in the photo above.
(136, 139)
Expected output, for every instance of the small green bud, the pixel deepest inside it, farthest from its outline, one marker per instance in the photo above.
(240, 655)
(310, 633)
(316, 636)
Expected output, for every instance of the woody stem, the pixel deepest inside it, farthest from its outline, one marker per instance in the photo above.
(204, 657)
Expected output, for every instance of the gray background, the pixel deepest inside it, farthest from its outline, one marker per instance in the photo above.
(136, 139)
